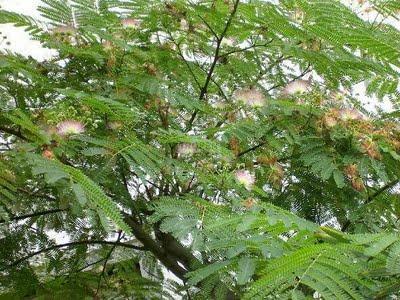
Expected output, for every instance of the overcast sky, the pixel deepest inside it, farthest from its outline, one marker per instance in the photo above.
(19, 39)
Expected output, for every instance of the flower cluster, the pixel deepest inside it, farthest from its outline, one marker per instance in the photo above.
(333, 116)
(352, 174)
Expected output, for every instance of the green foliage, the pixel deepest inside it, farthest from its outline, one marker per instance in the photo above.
(218, 141)
(84, 188)
(330, 271)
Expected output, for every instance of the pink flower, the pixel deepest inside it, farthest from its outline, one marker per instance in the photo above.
(299, 86)
(64, 30)
(69, 127)
(349, 114)
(184, 25)
(108, 46)
(245, 178)
(131, 23)
(186, 149)
(114, 125)
(329, 121)
(251, 97)
(228, 42)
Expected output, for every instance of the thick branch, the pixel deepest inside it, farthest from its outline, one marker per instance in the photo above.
(166, 258)
(12, 131)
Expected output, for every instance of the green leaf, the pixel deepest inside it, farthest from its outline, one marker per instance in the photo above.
(202, 273)
(339, 178)
(246, 268)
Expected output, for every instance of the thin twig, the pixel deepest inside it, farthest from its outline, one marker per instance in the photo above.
(204, 89)
(107, 258)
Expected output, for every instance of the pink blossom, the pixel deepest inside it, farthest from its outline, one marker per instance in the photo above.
(114, 125)
(245, 178)
(67, 30)
(348, 114)
(299, 86)
(131, 23)
(228, 42)
(184, 25)
(70, 127)
(251, 97)
(186, 149)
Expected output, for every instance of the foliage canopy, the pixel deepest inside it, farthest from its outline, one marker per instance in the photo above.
(218, 141)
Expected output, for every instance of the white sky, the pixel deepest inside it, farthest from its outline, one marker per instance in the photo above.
(19, 39)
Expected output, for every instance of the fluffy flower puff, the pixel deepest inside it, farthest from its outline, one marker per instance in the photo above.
(349, 114)
(186, 149)
(107, 46)
(131, 23)
(64, 30)
(69, 127)
(184, 25)
(114, 125)
(245, 178)
(251, 97)
(228, 42)
(329, 121)
(298, 86)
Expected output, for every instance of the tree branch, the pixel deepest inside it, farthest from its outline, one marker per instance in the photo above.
(260, 144)
(75, 243)
(389, 185)
(306, 71)
(107, 258)
(251, 149)
(246, 48)
(36, 214)
(371, 198)
(204, 89)
(14, 132)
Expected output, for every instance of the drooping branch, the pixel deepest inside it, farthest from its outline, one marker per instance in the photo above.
(371, 198)
(383, 189)
(32, 215)
(71, 244)
(13, 132)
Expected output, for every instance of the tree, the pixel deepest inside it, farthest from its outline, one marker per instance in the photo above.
(201, 149)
